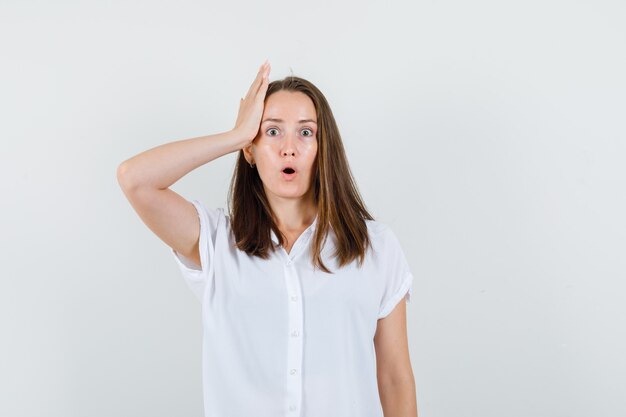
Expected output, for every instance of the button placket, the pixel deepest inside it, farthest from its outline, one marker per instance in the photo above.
(294, 342)
(295, 310)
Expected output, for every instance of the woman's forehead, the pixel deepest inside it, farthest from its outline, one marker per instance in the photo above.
(288, 105)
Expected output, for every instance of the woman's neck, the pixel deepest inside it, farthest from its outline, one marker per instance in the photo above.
(294, 215)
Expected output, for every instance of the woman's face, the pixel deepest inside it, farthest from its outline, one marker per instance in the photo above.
(287, 137)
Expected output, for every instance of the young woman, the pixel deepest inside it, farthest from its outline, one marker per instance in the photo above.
(300, 287)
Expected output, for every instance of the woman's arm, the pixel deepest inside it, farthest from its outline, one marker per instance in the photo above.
(396, 384)
(145, 179)
(160, 167)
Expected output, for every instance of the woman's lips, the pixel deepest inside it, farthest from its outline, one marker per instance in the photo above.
(289, 177)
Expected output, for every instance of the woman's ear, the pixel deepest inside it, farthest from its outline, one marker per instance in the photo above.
(247, 153)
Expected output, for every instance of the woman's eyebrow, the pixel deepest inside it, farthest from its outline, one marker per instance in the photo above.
(271, 119)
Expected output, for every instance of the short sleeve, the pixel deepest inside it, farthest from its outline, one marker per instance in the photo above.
(198, 279)
(398, 279)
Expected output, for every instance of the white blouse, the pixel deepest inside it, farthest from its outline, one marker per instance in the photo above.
(280, 339)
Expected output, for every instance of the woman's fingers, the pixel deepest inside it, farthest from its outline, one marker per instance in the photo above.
(254, 88)
(265, 71)
(265, 83)
(251, 107)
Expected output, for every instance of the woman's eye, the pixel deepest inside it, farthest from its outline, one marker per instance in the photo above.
(269, 130)
(311, 134)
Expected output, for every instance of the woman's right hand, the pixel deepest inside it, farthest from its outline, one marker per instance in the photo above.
(251, 107)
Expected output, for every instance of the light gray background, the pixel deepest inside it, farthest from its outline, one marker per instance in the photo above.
(489, 135)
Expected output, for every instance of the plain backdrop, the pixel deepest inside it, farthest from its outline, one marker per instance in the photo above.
(489, 135)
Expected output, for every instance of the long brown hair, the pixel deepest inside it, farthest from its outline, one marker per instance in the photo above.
(339, 204)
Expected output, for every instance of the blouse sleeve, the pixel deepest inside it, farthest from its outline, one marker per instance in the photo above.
(397, 275)
(198, 279)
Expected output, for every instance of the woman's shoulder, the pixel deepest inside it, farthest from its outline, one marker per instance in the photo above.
(383, 235)
(377, 230)
(384, 239)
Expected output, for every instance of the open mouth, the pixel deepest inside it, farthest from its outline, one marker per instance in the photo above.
(289, 174)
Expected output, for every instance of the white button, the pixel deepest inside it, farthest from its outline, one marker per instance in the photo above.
(293, 371)
(292, 408)
(295, 333)
(294, 297)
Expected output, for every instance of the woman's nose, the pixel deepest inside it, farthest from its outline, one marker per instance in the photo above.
(288, 145)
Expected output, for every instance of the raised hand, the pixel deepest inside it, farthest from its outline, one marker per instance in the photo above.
(251, 107)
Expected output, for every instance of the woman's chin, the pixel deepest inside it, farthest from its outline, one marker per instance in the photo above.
(288, 191)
